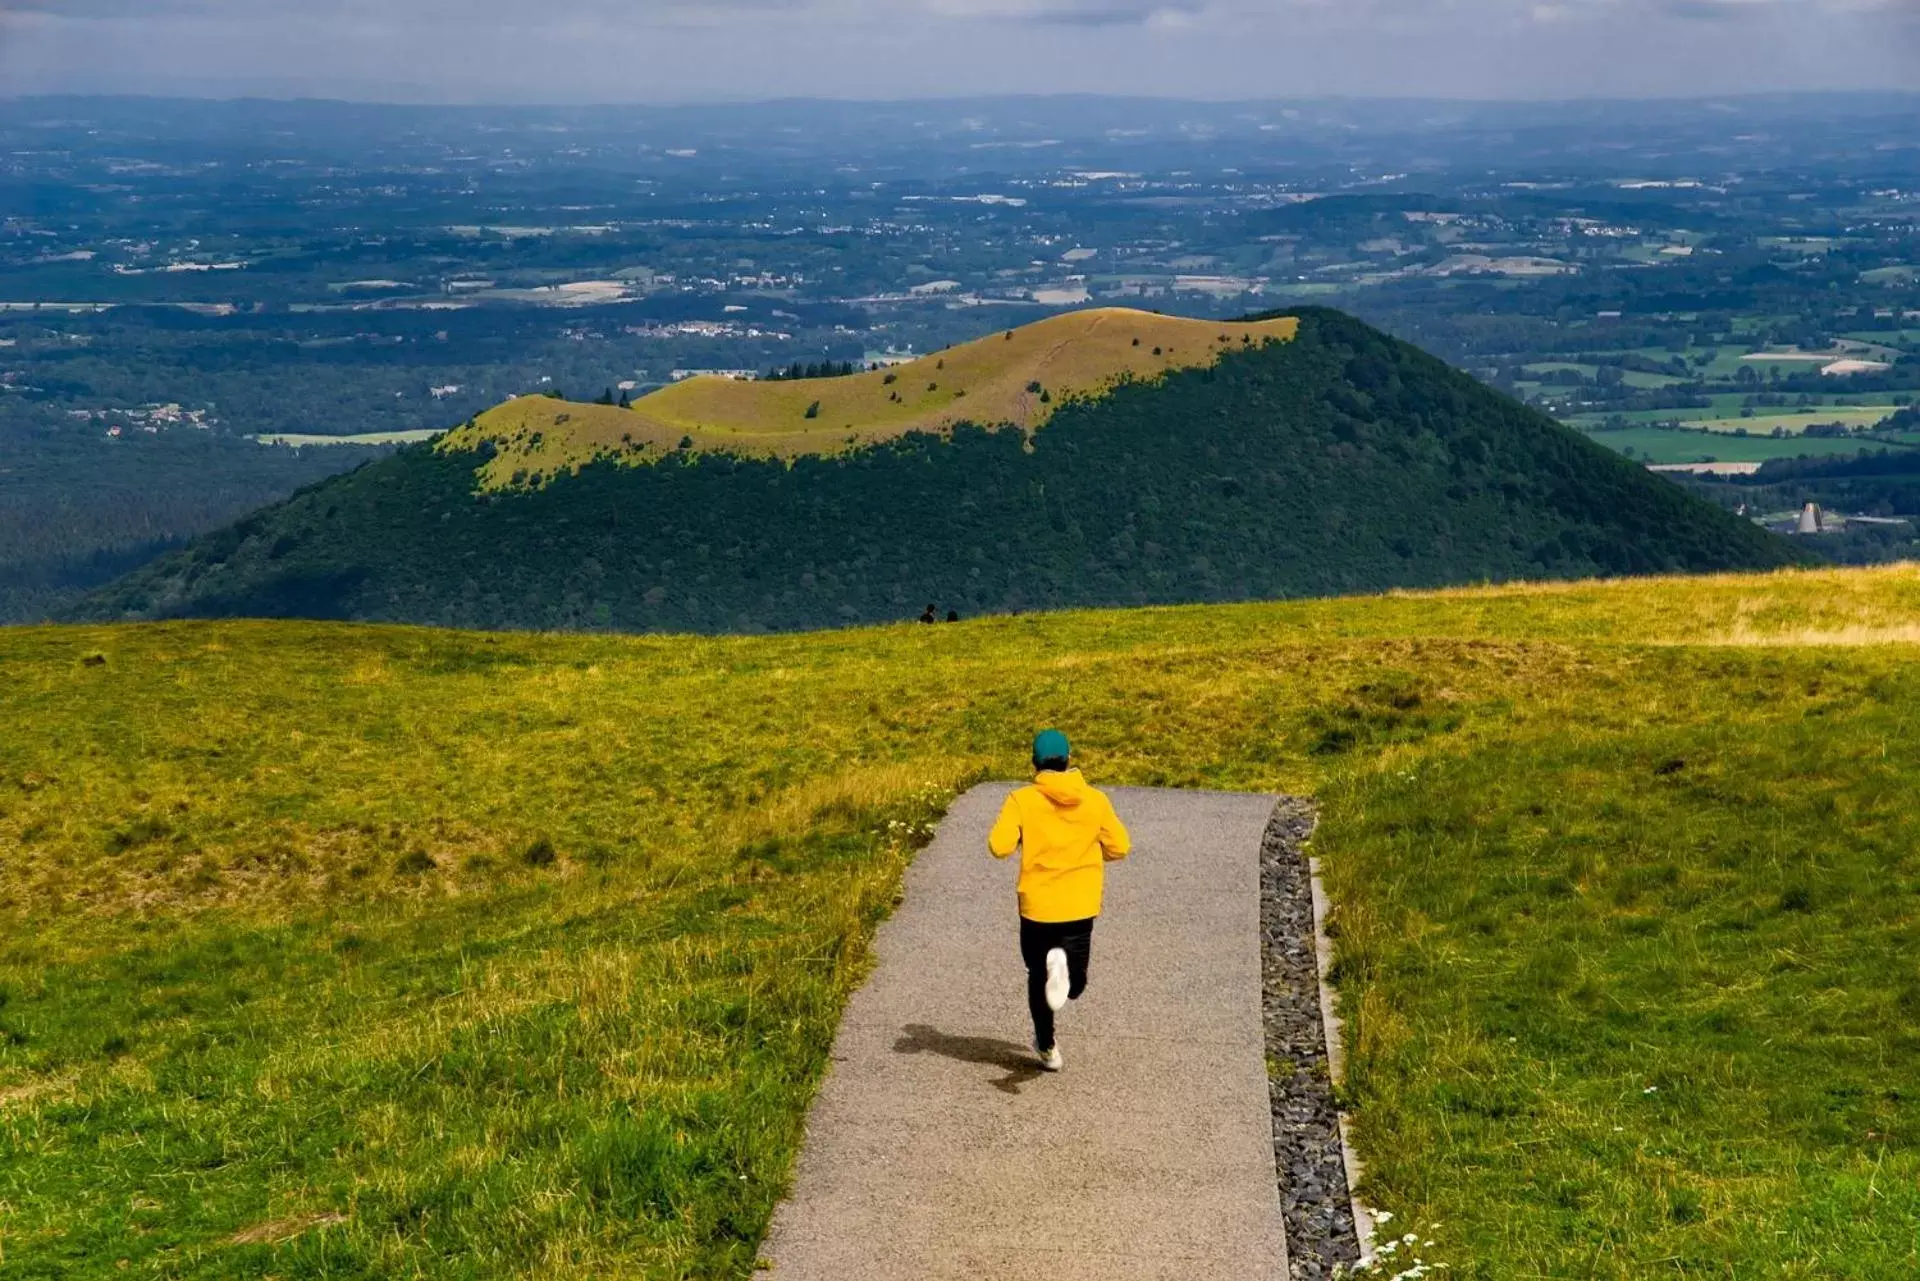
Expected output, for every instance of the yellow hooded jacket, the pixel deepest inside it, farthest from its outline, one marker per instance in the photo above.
(1066, 832)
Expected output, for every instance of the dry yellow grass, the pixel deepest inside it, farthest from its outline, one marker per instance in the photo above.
(988, 381)
(274, 1231)
(1903, 634)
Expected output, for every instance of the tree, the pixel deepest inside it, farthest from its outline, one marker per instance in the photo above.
(813, 410)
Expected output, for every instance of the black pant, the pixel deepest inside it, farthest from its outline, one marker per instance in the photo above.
(1037, 938)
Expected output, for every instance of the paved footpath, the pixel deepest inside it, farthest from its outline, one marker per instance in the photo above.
(937, 1150)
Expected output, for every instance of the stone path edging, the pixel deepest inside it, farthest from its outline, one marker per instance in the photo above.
(1309, 1154)
(1363, 1222)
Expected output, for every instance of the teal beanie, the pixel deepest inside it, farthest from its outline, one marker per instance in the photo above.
(1050, 744)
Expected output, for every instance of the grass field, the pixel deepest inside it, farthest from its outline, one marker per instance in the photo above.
(1660, 445)
(1885, 337)
(1722, 405)
(1724, 415)
(362, 952)
(1015, 379)
(1631, 377)
(365, 438)
(1799, 420)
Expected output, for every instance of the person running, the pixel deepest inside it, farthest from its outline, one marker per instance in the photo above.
(1066, 832)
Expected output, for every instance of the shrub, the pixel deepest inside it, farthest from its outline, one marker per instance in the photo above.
(414, 863)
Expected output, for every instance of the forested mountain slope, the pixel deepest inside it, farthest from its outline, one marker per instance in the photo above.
(1334, 460)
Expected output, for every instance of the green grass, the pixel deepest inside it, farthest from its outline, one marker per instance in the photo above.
(352, 951)
(1631, 377)
(1721, 404)
(1626, 948)
(1885, 337)
(1724, 415)
(1658, 445)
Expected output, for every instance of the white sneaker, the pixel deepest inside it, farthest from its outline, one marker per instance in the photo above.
(1057, 982)
(1049, 1059)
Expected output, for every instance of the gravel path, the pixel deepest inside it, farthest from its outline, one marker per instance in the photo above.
(1306, 1126)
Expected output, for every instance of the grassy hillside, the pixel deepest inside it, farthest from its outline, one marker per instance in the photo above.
(1014, 379)
(375, 951)
(1339, 460)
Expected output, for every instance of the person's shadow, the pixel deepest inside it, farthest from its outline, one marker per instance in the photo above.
(1017, 1060)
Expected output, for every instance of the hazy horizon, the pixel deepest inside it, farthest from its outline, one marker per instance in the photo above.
(672, 52)
(243, 95)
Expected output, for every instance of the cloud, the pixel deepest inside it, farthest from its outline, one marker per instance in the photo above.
(1714, 10)
(650, 50)
(1090, 13)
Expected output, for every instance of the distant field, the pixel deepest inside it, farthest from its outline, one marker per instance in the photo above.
(365, 438)
(1883, 337)
(1799, 420)
(332, 951)
(1656, 445)
(1016, 378)
(1643, 417)
(1725, 409)
(1631, 377)
(1727, 361)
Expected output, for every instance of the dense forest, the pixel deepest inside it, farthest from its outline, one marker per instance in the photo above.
(78, 509)
(1343, 461)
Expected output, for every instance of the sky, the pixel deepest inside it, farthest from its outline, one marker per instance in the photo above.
(573, 51)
